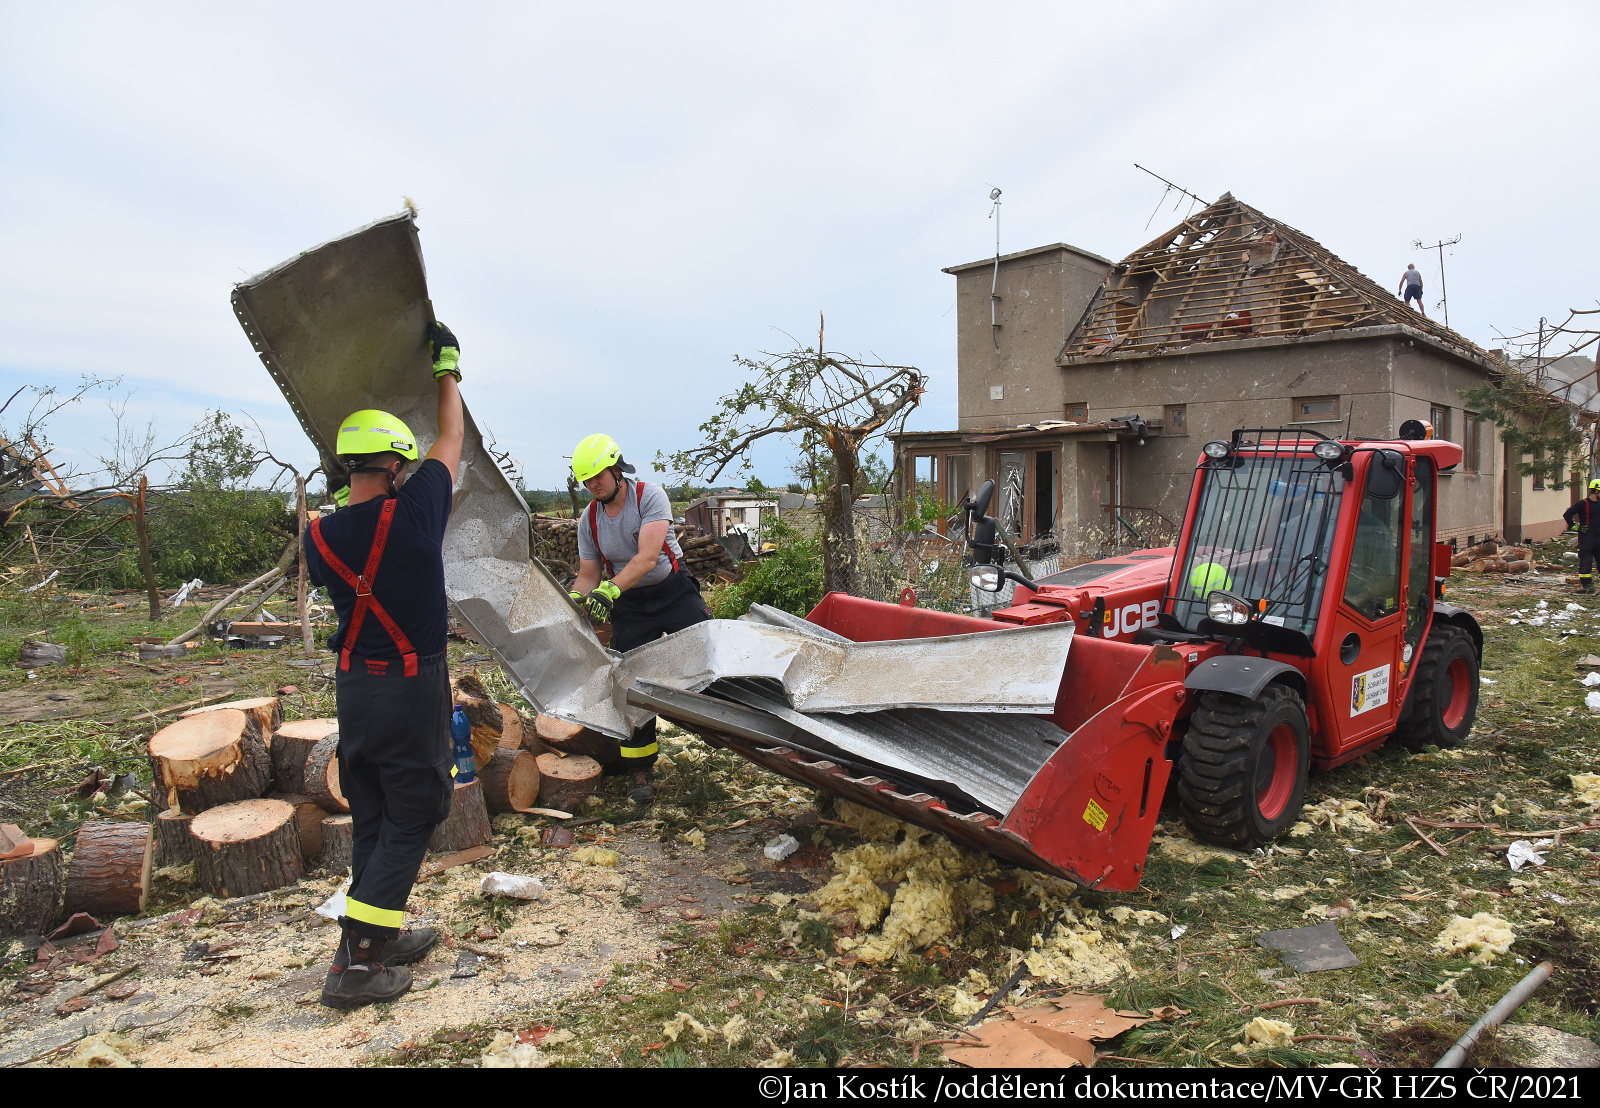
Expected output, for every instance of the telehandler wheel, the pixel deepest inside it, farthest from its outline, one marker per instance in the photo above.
(1242, 775)
(1443, 701)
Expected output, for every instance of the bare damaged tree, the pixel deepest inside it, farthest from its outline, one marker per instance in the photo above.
(834, 404)
(1544, 415)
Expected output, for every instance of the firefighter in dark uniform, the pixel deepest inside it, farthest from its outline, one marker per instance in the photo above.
(381, 560)
(1584, 518)
(627, 531)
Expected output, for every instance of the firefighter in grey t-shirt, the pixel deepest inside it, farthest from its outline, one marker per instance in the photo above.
(627, 531)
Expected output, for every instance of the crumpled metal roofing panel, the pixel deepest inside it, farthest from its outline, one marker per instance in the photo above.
(983, 757)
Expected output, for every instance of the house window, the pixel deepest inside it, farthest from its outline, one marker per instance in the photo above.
(1315, 409)
(1075, 413)
(1538, 477)
(1471, 442)
(1440, 418)
(957, 478)
(924, 476)
(1177, 419)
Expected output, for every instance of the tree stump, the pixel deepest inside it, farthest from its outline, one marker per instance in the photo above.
(110, 871)
(247, 847)
(172, 839)
(574, 738)
(308, 814)
(322, 775)
(515, 732)
(510, 781)
(566, 781)
(483, 713)
(30, 889)
(35, 654)
(336, 845)
(468, 822)
(292, 744)
(211, 758)
(268, 711)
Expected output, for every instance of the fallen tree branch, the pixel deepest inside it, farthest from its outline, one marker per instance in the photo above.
(285, 560)
(1329, 1038)
(1411, 822)
(1286, 1003)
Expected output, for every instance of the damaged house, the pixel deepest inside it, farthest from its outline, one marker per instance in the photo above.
(1086, 387)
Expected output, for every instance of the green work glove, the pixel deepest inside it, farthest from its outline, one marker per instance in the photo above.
(341, 497)
(446, 351)
(598, 603)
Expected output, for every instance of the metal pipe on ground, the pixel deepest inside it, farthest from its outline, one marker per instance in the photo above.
(1456, 1057)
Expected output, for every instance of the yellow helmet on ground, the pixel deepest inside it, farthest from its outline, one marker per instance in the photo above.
(1207, 578)
(370, 431)
(595, 455)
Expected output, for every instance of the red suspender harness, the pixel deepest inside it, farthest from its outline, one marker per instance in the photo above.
(365, 601)
(638, 503)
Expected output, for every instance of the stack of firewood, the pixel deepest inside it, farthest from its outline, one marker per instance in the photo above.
(554, 541)
(1490, 557)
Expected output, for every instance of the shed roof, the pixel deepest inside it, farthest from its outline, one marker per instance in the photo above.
(1230, 272)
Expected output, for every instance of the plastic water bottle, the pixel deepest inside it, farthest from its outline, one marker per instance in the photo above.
(461, 739)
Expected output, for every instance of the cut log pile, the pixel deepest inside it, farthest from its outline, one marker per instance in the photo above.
(554, 541)
(1490, 557)
(253, 802)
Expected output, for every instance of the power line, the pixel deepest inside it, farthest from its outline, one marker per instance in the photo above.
(1444, 297)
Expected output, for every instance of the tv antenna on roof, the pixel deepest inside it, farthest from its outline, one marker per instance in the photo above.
(1170, 188)
(994, 281)
(1444, 296)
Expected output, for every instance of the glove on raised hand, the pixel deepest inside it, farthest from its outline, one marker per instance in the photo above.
(446, 351)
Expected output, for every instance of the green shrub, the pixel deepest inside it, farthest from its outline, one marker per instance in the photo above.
(789, 578)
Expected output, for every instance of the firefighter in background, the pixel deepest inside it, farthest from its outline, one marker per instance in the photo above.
(626, 531)
(1583, 518)
(381, 559)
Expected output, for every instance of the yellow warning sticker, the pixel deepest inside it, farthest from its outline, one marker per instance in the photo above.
(1095, 816)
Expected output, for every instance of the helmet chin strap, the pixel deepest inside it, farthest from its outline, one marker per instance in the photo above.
(618, 487)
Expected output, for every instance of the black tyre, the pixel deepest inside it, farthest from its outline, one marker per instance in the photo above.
(1443, 701)
(1242, 774)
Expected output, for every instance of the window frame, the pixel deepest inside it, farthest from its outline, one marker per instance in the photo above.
(1181, 425)
(1076, 412)
(1295, 403)
(1439, 416)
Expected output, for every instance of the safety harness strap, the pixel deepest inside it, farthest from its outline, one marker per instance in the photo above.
(638, 503)
(363, 587)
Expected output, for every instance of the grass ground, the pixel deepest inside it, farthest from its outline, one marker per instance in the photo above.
(775, 973)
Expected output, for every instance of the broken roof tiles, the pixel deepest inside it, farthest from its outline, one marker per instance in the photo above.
(1229, 272)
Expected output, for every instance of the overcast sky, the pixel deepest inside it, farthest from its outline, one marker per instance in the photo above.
(617, 198)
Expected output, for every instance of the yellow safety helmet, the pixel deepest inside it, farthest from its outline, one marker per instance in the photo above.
(1207, 578)
(370, 431)
(1595, 484)
(595, 455)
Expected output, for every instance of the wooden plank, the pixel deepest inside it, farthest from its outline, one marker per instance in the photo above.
(291, 630)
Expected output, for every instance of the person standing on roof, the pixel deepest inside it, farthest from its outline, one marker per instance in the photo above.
(1584, 519)
(381, 559)
(627, 531)
(1411, 288)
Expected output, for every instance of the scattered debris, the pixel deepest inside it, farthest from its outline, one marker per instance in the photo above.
(781, 847)
(107, 1051)
(1521, 853)
(1483, 937)
(513, 885)
(1310, 949)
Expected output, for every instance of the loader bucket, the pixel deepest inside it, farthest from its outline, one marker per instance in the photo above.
(1075, 794)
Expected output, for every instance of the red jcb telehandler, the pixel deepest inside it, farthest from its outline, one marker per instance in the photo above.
(1299, 622)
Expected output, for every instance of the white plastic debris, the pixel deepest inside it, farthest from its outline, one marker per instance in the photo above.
(333, 907)
(1591, 679)
(1592, 701)
(183, 594)
(54, 573)
(1571, 607)
(1543, 604)
(514, 885)
(1522, 854)
(784, 845)
(1569, 553)
(1487, 681)
(1177, 932)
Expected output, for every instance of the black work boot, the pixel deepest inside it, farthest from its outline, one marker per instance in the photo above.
(642, 789)
(413, 945)
(362, 978)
